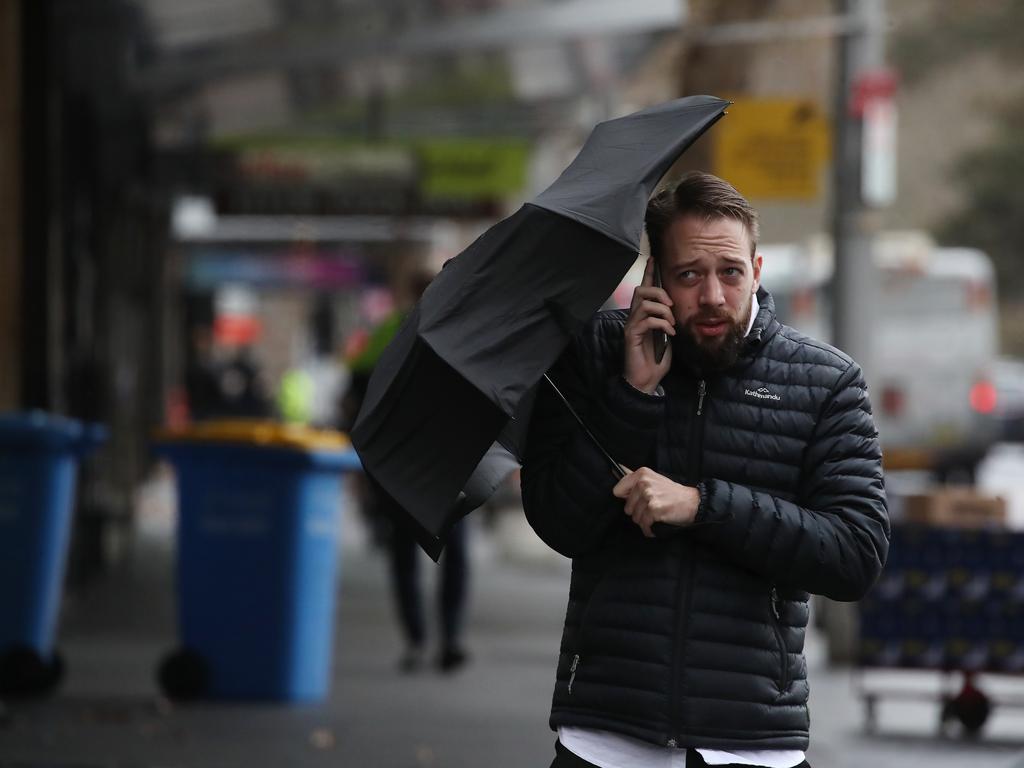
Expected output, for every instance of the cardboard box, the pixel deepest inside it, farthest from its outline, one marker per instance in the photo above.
(955, 507)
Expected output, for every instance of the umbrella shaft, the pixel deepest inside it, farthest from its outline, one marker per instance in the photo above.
(616, 468)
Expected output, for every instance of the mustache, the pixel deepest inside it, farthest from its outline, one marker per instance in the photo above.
(710, 316)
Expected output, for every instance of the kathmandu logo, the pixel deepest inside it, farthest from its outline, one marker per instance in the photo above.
(762, 394)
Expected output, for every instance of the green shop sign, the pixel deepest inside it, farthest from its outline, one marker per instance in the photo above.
(456, 169)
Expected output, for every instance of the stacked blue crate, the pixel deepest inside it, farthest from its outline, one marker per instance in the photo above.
(949, 599)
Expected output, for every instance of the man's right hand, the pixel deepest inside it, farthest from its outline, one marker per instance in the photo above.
(650, 310)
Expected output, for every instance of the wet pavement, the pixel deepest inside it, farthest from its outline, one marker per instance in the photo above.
(493, 712)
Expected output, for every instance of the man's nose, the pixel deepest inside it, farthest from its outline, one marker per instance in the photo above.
(711, 294)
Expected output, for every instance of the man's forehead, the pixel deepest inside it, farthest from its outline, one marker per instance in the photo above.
(691, 225)
(699, 232)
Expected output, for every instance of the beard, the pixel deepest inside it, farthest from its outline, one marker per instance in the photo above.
(719, 352)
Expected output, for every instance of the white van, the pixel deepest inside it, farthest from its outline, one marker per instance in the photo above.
(935, 346)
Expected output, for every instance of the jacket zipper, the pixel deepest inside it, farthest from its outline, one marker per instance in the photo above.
(783, 653)
(685, 597)
(572, 671)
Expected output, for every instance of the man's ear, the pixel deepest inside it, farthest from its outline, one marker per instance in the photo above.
(758, 261)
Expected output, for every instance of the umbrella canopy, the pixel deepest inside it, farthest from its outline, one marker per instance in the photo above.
(497, 317)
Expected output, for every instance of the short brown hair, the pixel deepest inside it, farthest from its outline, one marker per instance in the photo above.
(701, 194)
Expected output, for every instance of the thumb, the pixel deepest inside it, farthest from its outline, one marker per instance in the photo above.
(625, 485)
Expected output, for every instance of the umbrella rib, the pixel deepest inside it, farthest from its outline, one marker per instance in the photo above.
(616, 467)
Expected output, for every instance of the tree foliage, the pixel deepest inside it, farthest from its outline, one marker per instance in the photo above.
(956, 29)
(993, 214)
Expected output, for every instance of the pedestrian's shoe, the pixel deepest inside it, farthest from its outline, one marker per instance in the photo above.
(451, 658)
(412, 660)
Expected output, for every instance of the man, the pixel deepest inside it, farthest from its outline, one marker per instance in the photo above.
(391, 526)
(753, 477)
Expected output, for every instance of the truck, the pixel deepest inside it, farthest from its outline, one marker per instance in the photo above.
(934, 351)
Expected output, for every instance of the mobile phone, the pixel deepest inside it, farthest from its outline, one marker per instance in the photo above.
(660, 337)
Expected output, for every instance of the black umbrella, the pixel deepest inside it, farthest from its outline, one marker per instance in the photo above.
(496, 318)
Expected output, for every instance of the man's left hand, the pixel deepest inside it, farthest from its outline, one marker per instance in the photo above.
(653, 498)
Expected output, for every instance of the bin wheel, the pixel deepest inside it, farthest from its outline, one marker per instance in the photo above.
(24, 672)
(183, 675)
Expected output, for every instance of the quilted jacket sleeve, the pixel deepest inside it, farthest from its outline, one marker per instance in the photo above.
(566, 482)
(835, 541)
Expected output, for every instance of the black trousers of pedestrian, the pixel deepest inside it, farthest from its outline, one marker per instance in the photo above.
(566, 759)
(405, 572)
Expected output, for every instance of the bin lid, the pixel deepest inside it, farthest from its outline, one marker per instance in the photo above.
(269, 434)
(39, 429)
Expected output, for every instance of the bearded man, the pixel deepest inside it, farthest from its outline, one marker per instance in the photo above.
(753, 479)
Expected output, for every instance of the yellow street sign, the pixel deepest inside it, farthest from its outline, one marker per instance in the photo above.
(773, 149)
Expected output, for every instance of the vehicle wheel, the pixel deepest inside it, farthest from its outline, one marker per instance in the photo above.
(971, 707)
(972, 713)
(24, 672)
(183, 675)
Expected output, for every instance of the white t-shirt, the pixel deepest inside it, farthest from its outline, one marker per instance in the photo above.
(613, 750)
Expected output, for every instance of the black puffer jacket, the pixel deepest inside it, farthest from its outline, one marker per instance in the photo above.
(696, 639)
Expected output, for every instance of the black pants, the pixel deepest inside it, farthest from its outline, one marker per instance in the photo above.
(566, 759)
(405, 572)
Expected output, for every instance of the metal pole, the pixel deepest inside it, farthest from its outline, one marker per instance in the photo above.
(855, 284)
(854, 288)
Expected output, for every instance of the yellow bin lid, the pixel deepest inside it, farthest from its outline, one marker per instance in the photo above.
(270, 434)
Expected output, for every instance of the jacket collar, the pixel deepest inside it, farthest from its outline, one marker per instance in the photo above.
(765, 325)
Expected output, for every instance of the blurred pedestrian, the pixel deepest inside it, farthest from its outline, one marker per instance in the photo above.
(243, 392)
(391, 526)
(752, 477)
(202, 377)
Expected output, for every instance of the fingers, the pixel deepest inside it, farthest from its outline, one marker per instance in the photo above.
(649, 316)
(639, 492)
(648, 279)
(639, 508)
(639, 326)
(634, 491)
(647, 289)
(654, 308)
(641, 293)
(624, 487)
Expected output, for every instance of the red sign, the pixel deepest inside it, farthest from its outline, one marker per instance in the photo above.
(870, 87)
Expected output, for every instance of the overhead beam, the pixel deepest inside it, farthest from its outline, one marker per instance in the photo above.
(505, 28)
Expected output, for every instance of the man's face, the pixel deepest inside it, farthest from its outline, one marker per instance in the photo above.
(707, 271)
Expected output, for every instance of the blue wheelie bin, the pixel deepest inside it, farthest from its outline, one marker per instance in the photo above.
(258, 532)
(39, 456)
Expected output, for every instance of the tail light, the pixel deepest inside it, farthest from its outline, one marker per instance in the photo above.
(979, 295)
(802, 304)
(983, 397)
(892, 400)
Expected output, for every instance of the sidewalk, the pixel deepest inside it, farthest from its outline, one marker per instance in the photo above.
(491, 714)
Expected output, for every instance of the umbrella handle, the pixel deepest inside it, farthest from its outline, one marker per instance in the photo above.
(616, 468)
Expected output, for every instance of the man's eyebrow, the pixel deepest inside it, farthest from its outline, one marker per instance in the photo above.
(694, 262)
(736, 259)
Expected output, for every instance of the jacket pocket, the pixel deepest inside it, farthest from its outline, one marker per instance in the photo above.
(775, 617)
(581, 630)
